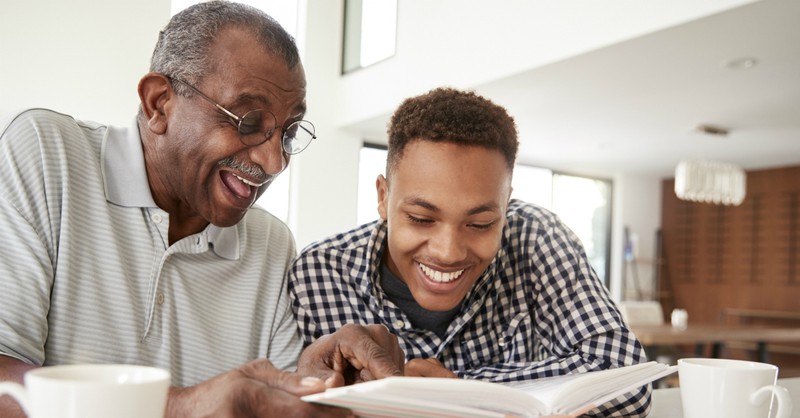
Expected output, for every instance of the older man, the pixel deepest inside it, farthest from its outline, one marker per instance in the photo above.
(140, 245)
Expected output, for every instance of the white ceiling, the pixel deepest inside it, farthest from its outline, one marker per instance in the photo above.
(633, 107)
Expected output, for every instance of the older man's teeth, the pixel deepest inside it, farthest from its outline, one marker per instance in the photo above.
(248, 182)
(439, 276)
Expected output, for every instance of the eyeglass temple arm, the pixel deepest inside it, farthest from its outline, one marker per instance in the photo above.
(226, 112)
(309, 132)
(210, 100)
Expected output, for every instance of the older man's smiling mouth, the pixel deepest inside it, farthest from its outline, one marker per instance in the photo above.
(241, 187)
(248, 182)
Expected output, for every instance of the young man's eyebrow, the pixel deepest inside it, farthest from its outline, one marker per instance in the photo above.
(488, 207)
(417, 201)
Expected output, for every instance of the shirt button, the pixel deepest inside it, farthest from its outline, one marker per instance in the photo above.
(501, 343)
(399, 324)
(157, 218)
(160, 299)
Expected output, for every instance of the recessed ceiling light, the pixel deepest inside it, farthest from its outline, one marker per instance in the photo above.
(713, 130)
(744, 63)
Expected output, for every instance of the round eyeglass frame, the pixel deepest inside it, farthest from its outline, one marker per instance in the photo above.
(291, 143)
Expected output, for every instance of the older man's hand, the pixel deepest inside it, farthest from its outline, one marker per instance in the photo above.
(254, 390)
(353, 354)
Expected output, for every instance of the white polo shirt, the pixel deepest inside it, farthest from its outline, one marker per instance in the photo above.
(87, 275)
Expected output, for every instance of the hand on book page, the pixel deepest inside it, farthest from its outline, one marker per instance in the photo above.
(418, 397)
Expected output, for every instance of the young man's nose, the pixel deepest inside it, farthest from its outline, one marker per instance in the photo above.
(447, 245)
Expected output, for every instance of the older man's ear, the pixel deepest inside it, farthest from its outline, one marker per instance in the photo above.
(155, 94)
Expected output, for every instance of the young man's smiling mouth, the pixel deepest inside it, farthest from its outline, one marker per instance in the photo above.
(440, 276)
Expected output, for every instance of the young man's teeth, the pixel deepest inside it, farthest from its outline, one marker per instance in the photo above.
(439, 276)
(248, 182)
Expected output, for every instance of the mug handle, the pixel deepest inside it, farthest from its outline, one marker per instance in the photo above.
(762, 395)
(18, 392)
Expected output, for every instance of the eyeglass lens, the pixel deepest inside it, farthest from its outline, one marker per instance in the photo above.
(256, 126)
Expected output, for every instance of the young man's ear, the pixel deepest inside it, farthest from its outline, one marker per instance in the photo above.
(381, 184)
(155, 92)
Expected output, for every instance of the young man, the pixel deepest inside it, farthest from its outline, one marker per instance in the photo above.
(140, 246)
(474, 284)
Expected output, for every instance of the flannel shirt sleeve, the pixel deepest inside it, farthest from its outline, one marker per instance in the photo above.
(300, 288)
(323, 292)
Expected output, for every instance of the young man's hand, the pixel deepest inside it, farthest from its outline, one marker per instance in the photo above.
(427, 367)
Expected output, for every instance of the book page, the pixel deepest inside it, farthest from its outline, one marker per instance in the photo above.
(430, 396)
(631, 384)
(568, 395)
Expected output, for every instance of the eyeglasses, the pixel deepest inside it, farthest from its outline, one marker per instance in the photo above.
(296, 137)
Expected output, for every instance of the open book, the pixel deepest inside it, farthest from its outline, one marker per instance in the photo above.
(564, 396)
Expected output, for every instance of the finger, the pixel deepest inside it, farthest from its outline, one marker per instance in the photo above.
(387, 340)
(338, 358)
(362, 350)
(277, 403)
(263, 371)
(335, 380)
(320, 360)
(429, 367)
(365, 375)
(439, 372)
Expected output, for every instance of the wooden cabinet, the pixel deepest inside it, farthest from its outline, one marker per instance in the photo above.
(745, 256)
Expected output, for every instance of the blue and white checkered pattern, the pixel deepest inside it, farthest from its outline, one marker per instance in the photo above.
(538, 310)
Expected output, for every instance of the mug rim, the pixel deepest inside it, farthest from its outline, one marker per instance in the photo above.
(730, 364)
(98, 374)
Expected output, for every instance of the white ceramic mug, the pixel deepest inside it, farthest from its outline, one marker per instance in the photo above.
(92, 391)
(720, 388)
(680, 318)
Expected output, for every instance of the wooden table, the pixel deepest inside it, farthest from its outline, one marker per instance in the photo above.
(716, 335)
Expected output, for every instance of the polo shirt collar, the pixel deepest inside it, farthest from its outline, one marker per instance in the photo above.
(125, 180)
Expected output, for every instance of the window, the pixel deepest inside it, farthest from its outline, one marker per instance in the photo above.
(532, 184)
(582, 203)
(370, 30)
(371, 163)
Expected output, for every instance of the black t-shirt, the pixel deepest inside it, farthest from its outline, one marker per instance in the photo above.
(397, 291)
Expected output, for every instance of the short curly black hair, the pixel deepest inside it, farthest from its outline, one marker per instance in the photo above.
(453, 116)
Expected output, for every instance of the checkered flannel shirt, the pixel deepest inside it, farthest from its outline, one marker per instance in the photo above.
(538, 310)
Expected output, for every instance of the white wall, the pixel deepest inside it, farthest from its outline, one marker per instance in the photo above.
(81, 57)
(464, 43)
(85, 57)
(325, 176)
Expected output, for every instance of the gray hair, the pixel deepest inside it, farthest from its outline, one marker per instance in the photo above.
(182, 49)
